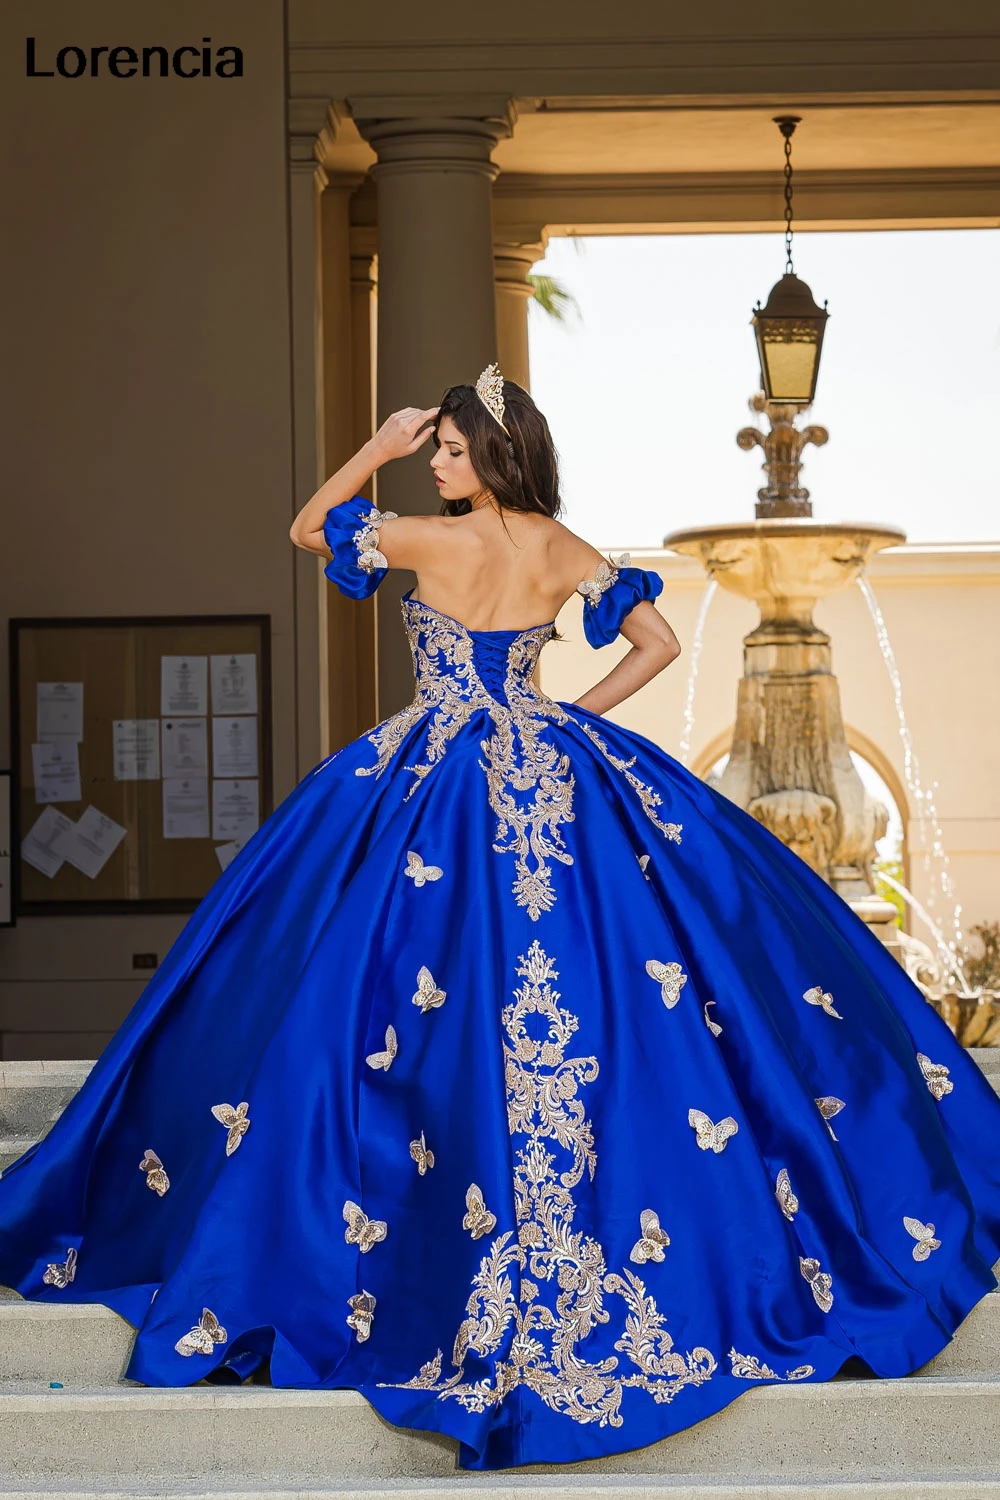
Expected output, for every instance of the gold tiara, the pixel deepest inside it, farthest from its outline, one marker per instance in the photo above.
(489, 389)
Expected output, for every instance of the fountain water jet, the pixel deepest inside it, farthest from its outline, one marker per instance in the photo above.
(931, 835)
(697, 642)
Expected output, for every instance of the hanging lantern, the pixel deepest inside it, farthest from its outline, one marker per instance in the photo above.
(789, 328)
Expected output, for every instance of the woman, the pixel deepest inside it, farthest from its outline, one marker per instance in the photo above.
(510, 1075)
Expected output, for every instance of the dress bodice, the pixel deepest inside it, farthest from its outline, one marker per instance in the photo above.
(471, 664)
(450, 659)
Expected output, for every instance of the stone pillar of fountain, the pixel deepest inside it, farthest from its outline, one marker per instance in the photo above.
(790, 766)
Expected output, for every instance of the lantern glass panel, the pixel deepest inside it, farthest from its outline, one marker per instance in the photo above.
(790, 363)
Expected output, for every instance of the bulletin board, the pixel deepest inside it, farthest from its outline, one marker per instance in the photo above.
(141, 758)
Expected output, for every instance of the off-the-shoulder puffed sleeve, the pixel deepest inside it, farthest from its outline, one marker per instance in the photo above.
(351, 533)
(613, 593)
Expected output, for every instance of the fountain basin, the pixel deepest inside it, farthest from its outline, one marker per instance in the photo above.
(784, 564)
(789, 765)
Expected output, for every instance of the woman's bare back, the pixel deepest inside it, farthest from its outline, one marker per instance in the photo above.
(506, 571)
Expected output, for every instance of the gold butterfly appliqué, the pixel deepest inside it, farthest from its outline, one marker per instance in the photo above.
(935, 1076)
(361, 1315)
(62, 1272)
(427, 994)
(670, 979)
(156, 1177)
(924, 1235)
(423, 1158)
(651, 1245)
(204, 1336)
(384, 1060)
(819, 1281)
(362, 1231)
(711, 1137)
(817, 996)
(235, 1121)
(478, 1220)
(418, 872)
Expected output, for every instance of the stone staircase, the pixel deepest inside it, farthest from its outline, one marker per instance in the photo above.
(933, 1436)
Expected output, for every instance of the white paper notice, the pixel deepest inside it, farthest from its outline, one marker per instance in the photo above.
(60, 710)
(36, 847)
(226, 853)
(185, 747)
(56, 772)
(137, 749)
(234, 684)
(183, 684)
(235, 810)
(185, 808)
(89, 843)
(234, 747)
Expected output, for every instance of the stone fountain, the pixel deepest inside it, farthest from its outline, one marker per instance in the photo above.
(789, 765)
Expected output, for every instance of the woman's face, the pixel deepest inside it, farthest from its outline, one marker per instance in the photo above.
(454, 475)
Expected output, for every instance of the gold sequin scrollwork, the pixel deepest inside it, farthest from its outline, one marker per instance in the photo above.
(539, 1294)
(749, 1367)
(649, 799)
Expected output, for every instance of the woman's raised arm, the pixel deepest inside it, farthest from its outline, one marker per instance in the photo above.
(399, 435)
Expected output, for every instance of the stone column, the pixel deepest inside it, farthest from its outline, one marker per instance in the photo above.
(513, 292)
(307, 180)
(347, 657)
(437, 323)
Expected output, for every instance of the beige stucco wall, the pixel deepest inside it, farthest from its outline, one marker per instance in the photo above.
(147, 412)
(942, 610)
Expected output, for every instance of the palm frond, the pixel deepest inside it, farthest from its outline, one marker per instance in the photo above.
(553, 298)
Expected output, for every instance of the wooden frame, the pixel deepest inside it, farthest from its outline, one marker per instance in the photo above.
(8, 862)
(118, 661)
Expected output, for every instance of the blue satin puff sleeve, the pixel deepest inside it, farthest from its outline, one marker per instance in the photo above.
(351, 533)
(613, 593)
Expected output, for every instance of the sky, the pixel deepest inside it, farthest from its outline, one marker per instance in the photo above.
(646, 388)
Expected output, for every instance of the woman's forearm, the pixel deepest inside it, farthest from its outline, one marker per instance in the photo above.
(307, 528)
(636, 668)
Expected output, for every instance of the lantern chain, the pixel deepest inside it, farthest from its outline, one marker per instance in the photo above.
(786, 124)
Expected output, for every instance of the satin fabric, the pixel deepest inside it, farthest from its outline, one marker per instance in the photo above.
(583, 1194)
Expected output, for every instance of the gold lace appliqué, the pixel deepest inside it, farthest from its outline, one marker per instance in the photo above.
(649, 799)
(749, 1367)
(543, 1316)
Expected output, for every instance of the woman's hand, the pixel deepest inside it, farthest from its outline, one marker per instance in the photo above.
(403, 433)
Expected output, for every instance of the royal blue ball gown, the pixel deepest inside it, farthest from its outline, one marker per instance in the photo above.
(515, 1078)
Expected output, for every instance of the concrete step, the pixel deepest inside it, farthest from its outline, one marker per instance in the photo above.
(86, 1345)
(513, 1485)
(32, 1094)
(923, 1428)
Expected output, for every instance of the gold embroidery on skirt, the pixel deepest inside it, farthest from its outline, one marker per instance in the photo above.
(749, 1367)
(648, 798)
(541, 1318)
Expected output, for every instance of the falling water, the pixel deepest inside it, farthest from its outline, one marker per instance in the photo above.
(696, 645)
(931, 836)
(949, 957)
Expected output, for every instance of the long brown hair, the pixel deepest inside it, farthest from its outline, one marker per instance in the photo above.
(521, 471)
(519, 467)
